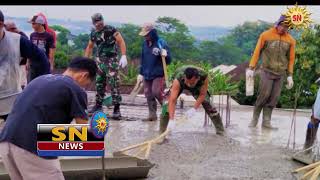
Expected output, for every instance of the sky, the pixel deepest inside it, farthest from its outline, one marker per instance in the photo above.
(226, 16)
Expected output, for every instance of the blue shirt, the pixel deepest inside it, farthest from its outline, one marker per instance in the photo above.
(48, 99)
(151, 61)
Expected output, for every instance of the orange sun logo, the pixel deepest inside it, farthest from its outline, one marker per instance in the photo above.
(298, 17)
(101, 124)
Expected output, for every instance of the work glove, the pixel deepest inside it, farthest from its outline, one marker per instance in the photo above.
(289, 82)
(123, 61)
(139, 78)
(171, 125)
(190, 113)
(164, 53)
(250, 73)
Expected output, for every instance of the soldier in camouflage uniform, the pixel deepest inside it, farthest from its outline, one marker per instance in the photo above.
(107, 38)
(195, 80)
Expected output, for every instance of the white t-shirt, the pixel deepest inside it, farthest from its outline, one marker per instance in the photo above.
(9, 71)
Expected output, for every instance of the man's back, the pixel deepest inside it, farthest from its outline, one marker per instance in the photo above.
(49, 99)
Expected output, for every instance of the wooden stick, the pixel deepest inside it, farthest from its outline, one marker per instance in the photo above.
(140, 151)
(307, 167)
(133, 146)
(316, 174)
(148, 151)
(135, 91)
(164, 64)
(306, 175)
(155, 140)
(145, 142)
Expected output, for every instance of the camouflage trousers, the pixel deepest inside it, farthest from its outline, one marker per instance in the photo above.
(108, 69)
(209, 109)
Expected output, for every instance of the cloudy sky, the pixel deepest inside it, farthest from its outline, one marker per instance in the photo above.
(190, 15)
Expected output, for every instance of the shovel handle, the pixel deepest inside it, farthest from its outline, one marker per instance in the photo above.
(164, 64)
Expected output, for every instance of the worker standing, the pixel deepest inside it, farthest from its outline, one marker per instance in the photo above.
(151, 69)
(106, 38)
(276, 48)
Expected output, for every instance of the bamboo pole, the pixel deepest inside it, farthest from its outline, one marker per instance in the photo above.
(316, 174)
(310, 166)
(306, 175)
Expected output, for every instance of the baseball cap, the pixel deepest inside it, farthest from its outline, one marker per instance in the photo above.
(146, 28)
(38, 20)
(1, 16)
(96, 17)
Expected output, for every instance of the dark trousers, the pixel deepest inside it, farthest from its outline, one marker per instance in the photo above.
(153, 89)
(269, 89)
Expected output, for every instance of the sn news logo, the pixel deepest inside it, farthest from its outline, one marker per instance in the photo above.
(73, 139)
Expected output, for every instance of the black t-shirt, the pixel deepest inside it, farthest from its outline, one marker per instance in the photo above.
(48, 99)
(43, 40)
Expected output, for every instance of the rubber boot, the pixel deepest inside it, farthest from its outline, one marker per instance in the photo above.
(255, 116)
(217, 121)
(152, 105)
(311, 135)
(266, 123)
(164, 118)
(116, 112)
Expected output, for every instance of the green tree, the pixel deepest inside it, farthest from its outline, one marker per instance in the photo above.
(178, 37)
(306, 70)
(130, 33)
(62, 33)
(81, 41)
(246, 35)
(217, 53)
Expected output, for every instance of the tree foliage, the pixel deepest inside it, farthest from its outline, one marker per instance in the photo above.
(234, 48)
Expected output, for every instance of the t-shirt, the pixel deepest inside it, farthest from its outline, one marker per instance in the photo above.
(43, 40)
(48, 99)
(23, 60)
(105, 41)
(12, 47)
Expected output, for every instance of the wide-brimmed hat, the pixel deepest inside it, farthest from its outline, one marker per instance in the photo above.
(146, 28)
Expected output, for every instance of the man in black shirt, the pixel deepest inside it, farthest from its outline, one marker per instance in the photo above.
(49, 99)
(44, 41)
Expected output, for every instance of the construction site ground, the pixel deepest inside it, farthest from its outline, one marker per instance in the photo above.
(193, 151)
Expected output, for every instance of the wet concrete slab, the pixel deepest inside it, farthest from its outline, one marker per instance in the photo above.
(193, 151)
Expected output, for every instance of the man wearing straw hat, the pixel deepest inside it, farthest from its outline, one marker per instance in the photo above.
(151, 69)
